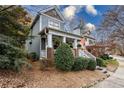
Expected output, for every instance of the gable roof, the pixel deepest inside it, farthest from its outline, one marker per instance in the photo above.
(45, 10)
(53, 8)
(35, 20)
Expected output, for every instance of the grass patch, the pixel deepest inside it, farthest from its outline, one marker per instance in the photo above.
(111, 64)
(111, 61)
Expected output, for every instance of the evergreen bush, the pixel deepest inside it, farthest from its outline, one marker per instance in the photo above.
(100, 62)
(105, 57)
(11, 57)
(64, 58)
(80, 63)
(91, 64)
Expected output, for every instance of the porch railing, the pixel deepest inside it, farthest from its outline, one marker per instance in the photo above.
(43, 53)
(85, 53)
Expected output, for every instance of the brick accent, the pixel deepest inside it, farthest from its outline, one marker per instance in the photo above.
(50, 54)
(76, 52)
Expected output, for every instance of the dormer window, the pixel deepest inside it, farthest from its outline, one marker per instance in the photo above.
(54, 24)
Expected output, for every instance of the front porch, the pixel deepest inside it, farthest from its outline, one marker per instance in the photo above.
(51, 38)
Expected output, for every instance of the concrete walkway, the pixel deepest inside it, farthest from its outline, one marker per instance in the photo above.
(117, 79)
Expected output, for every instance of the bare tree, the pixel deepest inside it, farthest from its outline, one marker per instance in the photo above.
(112, 28)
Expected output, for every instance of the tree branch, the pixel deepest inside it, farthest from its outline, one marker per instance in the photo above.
(6, 8)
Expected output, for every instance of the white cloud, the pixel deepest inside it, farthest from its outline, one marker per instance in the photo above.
(70, 15)
(90, 27)
(70, 11)
(90, 9)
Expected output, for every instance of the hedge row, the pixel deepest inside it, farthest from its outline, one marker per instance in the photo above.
(82, 63)
(64, 60)
(101, 61)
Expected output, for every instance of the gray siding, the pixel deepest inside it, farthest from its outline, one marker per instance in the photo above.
(39, 25)
(62, 26)
(35, 46)
(45, 20)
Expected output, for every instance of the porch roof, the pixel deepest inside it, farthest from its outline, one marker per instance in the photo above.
(47, 29)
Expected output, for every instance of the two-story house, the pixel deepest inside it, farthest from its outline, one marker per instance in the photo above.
(47, 25)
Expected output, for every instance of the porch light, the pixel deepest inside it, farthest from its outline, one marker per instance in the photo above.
(30, 43)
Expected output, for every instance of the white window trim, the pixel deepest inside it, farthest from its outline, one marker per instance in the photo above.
(53, 24)
(52, 18)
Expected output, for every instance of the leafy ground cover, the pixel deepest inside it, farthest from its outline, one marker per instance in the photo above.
(51, 77)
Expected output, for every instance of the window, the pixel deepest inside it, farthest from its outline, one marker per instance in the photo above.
(54, 24)
(43, 44)
(91, 42)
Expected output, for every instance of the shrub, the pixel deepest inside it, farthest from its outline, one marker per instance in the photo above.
(91, 64)
(70, 44)
(33, 56)
(80, 63)
(56, 42)
(105, 57)
(64, 58)
(44, 63)
(100, 62)
(11, 57)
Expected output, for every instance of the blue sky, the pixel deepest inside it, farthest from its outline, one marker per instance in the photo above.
(92, 14)
(90, 18)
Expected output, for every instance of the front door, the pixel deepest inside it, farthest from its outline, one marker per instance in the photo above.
(43, 52)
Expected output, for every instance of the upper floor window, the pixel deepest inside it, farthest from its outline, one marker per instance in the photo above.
(54, 24)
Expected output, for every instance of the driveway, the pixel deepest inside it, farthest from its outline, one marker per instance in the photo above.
(117, 79)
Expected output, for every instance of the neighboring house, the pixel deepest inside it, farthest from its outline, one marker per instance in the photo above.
(47, 25)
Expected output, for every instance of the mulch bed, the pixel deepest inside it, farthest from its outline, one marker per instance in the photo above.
(50, 78)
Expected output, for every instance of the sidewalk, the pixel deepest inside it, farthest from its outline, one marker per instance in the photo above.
(117, 79)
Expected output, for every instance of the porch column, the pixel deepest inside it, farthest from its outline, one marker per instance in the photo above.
(75, 48)
(49, 40)
(50, 50)
(75, 44)
(64, 39)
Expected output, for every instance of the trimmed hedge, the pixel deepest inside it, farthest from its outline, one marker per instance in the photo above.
(64, 58)
(91, 64)
(80, 63)
(100, 62)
